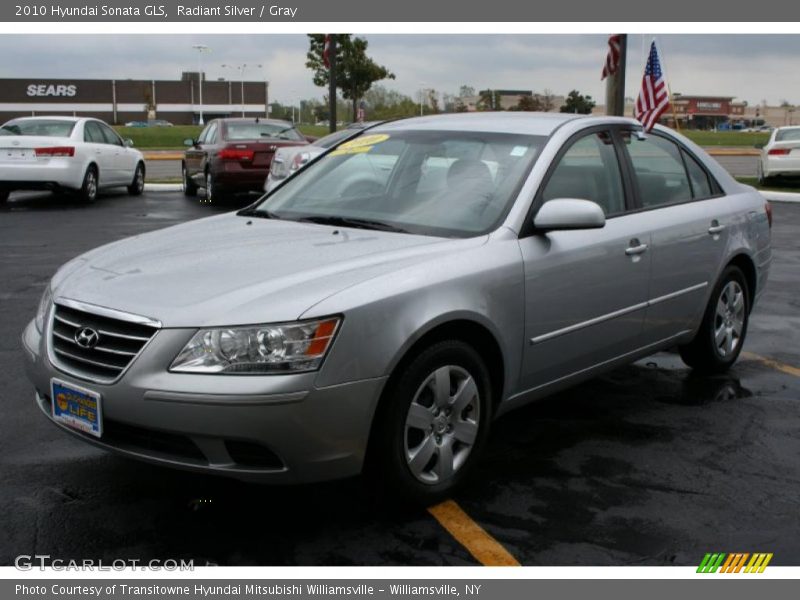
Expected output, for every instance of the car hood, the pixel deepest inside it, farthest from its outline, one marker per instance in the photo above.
(230, 270)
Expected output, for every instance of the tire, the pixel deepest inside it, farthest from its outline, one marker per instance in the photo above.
(212, 192)
(762, 180)
(189, 186)
(722, 333)
(137, 185)
(88, 191)
(4, 194)
(447, 439)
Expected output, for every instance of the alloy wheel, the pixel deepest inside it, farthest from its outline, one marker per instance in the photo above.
(442, 424)
(729, 319)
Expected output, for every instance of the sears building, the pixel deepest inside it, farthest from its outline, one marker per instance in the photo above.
(118, 101)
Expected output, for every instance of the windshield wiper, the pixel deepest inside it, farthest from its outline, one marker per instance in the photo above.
(261, 214)
(352, 222)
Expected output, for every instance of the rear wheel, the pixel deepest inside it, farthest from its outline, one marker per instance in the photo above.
(433, 423)
(88, 191)
(137, 185)
(722, 333)
(4, 194)
(189, 186)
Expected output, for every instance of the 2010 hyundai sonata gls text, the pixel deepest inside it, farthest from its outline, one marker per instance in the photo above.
(378, 310)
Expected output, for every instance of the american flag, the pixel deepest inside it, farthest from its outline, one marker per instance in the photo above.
(326, 51)
(612, 59)
(653, 98)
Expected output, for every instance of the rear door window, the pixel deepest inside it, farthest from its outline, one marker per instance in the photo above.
(658, 169)
(92, 133)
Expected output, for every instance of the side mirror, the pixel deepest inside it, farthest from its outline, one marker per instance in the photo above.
(189, 142)
(569, 213)
(128, 142)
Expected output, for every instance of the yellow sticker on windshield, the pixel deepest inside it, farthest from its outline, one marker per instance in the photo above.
(360, 145)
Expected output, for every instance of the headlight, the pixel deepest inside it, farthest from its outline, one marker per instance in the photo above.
(282, 348)
(44, 306)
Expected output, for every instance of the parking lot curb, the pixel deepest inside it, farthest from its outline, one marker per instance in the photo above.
(781, 196)
(163, 155)
(162, 187)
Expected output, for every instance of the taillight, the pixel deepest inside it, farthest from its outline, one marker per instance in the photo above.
(55, 151)
(779, 151)
(768, 208)
(236, 154)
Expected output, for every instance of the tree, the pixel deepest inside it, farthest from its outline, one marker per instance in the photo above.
(548, 100)
(466, 91)
(577, 103)
(529, 103)
(489, 100)
(355, 71)
(433, 100)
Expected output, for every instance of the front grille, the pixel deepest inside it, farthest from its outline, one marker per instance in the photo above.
(117, 344)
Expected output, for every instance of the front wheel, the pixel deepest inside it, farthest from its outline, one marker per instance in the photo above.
(137, 185)
(433, 423)
(722, 333)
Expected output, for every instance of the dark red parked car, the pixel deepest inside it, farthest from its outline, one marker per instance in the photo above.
(233, 156)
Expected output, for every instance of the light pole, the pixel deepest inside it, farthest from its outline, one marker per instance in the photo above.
(241, 69)
(200, 49)
(421, 96)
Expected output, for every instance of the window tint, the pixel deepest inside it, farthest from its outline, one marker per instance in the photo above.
(701, 186)
(659, 170)
(787, 135)
(40, 127)
(110, 135)
(589, 170)
(92, 133)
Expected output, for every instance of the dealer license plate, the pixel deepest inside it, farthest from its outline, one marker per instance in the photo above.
(77, 407)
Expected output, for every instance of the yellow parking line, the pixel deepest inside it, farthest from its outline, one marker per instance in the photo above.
(486, 550)
(784, 368)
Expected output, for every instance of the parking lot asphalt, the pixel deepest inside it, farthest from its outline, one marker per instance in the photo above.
(648, 465)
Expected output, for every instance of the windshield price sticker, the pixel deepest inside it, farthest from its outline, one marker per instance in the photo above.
(360, 145)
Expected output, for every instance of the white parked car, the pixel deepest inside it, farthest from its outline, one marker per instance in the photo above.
(780, 156)
(78, 155)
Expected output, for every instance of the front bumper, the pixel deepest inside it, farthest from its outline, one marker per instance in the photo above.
(279, 429)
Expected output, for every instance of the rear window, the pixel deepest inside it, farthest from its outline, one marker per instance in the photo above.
(257, 131)
(787, 135)
(334, 138)
(41, 127)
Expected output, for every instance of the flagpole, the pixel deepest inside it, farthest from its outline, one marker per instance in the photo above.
(664, 69)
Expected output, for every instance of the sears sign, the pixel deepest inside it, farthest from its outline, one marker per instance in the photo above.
(43, 89)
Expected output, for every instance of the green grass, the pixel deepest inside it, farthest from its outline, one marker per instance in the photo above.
(725, 138)
(779, 185)
(171, 138)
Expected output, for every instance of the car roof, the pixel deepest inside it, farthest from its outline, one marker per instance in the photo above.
(53, 118)
(787, 127)
(531, 123)
(253, 120)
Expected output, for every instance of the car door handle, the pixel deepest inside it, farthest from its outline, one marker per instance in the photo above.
(636, 247)
(716, 228)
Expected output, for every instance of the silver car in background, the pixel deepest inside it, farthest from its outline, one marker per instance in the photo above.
(290, 159)
(484, 261)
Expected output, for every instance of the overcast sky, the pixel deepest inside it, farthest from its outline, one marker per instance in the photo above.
(749, 67)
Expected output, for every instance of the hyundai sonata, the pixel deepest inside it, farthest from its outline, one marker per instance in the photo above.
(482, 261)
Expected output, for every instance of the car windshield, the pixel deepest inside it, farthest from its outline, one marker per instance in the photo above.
(256, 131)
(787, 135)
(444, 183)
(40, 127)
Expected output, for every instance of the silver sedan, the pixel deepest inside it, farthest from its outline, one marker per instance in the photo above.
(482, 262)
